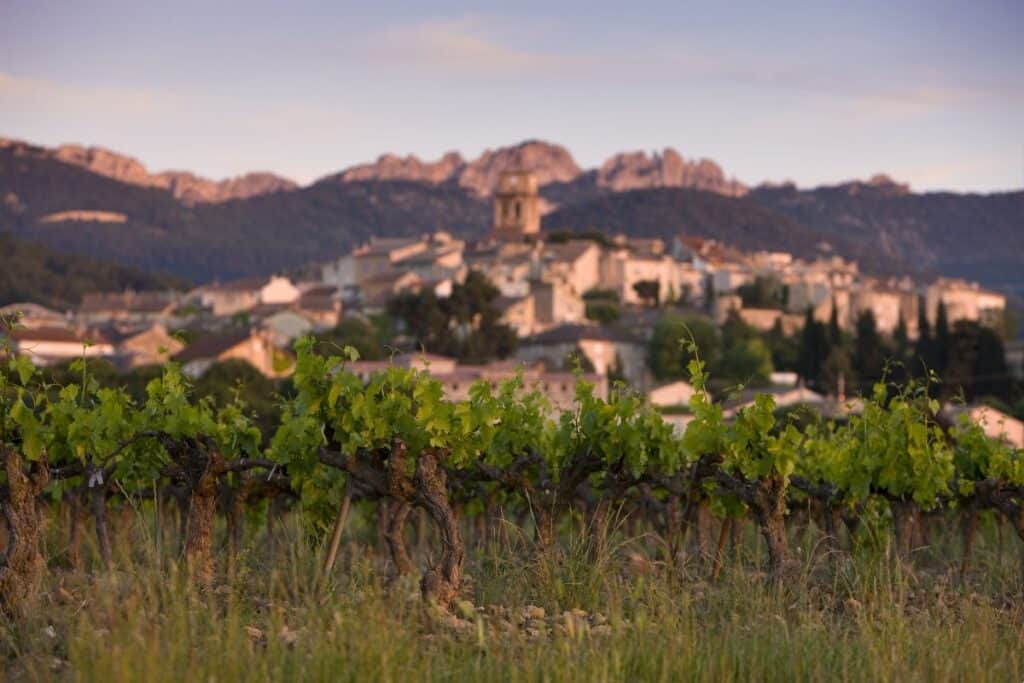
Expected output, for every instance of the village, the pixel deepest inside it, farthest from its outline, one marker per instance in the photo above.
(597, 297)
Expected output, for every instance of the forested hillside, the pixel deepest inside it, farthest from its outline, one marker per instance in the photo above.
(980, 237)
(149, 229)
(32, 272)
(667, 212)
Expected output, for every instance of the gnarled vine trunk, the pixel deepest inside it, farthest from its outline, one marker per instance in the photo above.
(769, 507)
(545, 521)
(98, 505)
(831, 518)
(22, 569)
(600, 526)
(234, 501)
(203, 470)
(441, 583)
(77, 515)
(969, 528)
(905, 518)
(397, 514)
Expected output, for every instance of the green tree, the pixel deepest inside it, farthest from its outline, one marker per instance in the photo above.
(785, 348)
(868, 353)
(977, 363)
(813, 348)
(745, 356)
(667, 358)
(943, 341)
(598, 294)
(837, 374)
(922, 358)
(467, 325)
(359, 333)
(748, 361)
(835, 333)
(762, 292)
(648, 291)
(602, 311)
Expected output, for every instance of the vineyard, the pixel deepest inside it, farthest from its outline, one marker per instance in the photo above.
(172, 538)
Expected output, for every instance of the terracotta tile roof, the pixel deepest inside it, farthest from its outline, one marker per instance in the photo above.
(211, 346)
(60, 334)
(139, 302)
(570, 251)
(572, 334)
(249, 284)
(317, 303)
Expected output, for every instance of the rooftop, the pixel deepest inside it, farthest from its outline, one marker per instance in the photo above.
(211, 346)
(572, 334)
(61, 334)
(569, 251)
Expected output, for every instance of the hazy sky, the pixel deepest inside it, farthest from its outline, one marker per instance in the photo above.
(931, 92)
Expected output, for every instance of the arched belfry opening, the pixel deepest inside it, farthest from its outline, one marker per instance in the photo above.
(516, 206)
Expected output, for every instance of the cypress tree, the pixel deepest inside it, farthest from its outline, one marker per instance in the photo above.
(941, 345)
(835, 335)
(868, 357)
(901, 337)
(922, 360)
(813, 348)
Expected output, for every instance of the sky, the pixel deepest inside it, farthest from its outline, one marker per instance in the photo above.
(931, 93)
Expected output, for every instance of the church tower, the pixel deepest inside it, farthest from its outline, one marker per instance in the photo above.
(516, 206)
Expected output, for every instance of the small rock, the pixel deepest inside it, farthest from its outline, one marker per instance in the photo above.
(288, 636)
(50, 631)
(457, 624)
(534, 612)
(465, 609)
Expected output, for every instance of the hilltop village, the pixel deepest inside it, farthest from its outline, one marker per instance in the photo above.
(554, 305)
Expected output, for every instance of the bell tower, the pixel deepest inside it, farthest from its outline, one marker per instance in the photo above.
(516, 206)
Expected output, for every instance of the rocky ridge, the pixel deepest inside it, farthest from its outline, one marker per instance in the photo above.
(552, 164)
(638, 171)
(549, 162)
(186, 187)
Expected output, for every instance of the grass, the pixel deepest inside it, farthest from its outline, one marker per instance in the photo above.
(850, 617)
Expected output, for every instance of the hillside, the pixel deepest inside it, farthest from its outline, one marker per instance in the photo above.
(79, 208)
(980, 237)
(667, 212)
(185, 186)
(32, 272)
(56, 204)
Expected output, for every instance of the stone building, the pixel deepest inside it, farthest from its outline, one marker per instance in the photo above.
(516, 206)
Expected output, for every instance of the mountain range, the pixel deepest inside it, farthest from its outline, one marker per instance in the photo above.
(108, 206)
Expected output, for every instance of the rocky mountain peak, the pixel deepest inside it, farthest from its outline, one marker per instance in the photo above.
(411, 168)
(551, 163)
(879, 185)
(188, 187)
(668, 168)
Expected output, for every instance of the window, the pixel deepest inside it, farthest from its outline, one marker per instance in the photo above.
(519, 209)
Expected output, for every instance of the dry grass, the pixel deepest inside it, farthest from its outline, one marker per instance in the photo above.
(859, 617)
